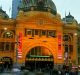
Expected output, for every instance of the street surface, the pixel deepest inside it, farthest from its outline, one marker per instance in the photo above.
(30, 73)
(27, 73)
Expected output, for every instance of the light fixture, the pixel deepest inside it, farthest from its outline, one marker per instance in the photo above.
(75, 34)
(5, 28)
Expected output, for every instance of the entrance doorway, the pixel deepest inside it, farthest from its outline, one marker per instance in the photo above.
(38, 58)
(7, 62)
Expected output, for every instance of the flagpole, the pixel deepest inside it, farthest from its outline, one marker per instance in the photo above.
(65, 16)
(10, 11)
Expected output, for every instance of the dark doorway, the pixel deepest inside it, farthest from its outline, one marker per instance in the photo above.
(39, 58)
(37, 65)
(7, 62)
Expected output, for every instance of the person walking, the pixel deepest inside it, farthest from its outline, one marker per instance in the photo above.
(73, 72)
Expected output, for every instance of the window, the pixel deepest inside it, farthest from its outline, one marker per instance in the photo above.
(43, 32)
(7, 44)
(70, 48)
(7, 34)
(79, 40)
(4, 46)
(65, 38)
(36, 32)
(47, 33)
(79, 61)
(79, 51)
(29, 32)
(32, 32)
(51, 33)
(68, 37)
(35, 51)
(66, 48)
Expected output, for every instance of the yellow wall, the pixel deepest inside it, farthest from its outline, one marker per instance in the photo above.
(31, 21)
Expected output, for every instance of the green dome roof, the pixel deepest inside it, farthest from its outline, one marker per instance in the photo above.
(69, 19)
(38, 5)
(3, 14)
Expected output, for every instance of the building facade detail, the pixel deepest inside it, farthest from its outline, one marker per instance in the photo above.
(39, 35)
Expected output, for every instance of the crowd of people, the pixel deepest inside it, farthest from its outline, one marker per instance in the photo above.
(66, 70)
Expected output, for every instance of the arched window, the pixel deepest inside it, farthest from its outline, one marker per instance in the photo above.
(67, 37)
(8, 34)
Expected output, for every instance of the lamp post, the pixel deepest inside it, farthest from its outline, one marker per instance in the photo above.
(76, 46)
(35, 65)
(16, 70)
(18, 48)
(16, 52)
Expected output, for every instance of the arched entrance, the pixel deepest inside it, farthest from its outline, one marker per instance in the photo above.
(39, 58)
(7, 62)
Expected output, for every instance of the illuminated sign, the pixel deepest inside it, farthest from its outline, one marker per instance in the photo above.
(59, 46)
(20, 45)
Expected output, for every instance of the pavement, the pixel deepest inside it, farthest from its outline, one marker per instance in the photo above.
(22, 73)
(78, 73)
(5, 74)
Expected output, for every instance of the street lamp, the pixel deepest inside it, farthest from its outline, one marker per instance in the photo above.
(16, 51)
(76, 40)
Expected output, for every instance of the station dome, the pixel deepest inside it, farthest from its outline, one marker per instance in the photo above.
(38, 5)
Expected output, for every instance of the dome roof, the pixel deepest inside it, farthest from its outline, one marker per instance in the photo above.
(69, 19)
(3, 14)
(38, 5)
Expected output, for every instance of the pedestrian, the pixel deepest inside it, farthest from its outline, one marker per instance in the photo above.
(66, 72)
(59, 72)
(72, 72)
(76, 70)
(55, 72)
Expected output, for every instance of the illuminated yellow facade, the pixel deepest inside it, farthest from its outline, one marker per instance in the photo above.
(45, 37)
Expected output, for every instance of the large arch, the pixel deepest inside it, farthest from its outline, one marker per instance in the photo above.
(43, 61)
(7, 34)
(30, 46)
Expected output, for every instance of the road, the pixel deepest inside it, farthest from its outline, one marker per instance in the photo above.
(5, 74)
(30, 73)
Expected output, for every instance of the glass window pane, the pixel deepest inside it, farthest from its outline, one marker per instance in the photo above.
(29, 32)
(36, 32)
(65, 38)
(51, 33)
(66, 48)
(7, 35)
(43, 32)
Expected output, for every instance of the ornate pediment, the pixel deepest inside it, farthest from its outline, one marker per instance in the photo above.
(38, 18)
